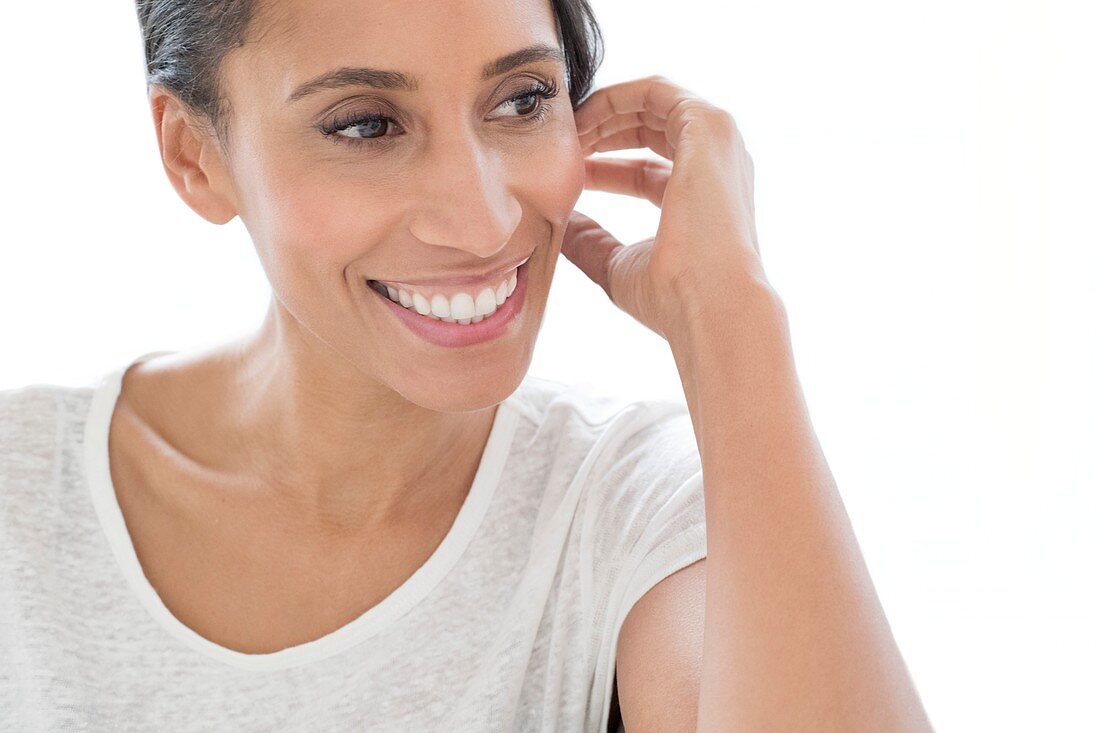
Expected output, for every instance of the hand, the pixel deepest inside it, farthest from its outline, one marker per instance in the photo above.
(705, 256)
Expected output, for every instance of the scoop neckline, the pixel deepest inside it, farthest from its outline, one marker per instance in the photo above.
(373, 621)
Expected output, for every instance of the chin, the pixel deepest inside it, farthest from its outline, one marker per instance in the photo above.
(474, 377)
(470, 391)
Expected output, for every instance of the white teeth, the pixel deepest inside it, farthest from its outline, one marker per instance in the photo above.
(486, 302)
(441, 306)
(462, 308)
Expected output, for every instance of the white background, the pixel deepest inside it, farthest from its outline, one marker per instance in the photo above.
(927, 186)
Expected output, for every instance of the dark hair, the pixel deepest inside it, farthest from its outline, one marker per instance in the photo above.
(186, 41)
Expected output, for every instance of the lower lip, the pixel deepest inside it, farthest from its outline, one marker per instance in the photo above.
(442, 333)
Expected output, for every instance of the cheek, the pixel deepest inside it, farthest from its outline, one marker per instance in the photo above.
(553, 176)
(307, 225)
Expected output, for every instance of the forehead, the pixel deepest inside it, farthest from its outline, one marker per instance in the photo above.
(440, 42)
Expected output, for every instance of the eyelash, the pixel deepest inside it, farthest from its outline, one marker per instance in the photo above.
(542, 90)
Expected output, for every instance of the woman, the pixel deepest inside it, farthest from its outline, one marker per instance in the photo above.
(365, 515)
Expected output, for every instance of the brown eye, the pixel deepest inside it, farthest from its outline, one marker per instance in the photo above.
(363, 126)
(367, 128)
(526, 104)
(529, 104)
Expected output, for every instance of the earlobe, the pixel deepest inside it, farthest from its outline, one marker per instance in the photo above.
(194, 166)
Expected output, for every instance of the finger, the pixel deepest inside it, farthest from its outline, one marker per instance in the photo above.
(632, 137)
(590, 247)
(643, 177)
(603, 111)
(622, 122)
(654, 95)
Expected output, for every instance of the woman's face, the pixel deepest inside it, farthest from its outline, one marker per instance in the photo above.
(472, 173)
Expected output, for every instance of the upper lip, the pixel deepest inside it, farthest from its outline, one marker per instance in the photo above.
(463, 279)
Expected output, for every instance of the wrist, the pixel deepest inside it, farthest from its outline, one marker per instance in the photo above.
(729, 347)
(723, 314)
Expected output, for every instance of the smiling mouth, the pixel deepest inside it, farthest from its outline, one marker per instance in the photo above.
(453, 304)
(447, 331)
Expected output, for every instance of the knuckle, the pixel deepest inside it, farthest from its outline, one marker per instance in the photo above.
(704, 111)
(691, 107)
(721, 124)
(686, 108)
(721, 119)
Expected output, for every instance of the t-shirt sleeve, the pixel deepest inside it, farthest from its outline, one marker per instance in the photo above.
(644, 517)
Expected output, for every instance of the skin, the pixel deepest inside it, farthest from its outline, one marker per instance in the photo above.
(340, 443)
(791, 632)
(325, 429)
(333, 411)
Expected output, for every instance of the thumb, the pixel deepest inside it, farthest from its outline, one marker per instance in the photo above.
(591, 248)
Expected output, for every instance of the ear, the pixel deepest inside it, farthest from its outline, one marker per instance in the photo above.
(192, 158)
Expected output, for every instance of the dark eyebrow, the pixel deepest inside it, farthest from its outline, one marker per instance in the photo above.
(361, 76)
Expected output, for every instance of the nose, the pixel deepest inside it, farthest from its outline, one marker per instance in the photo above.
(463, 199)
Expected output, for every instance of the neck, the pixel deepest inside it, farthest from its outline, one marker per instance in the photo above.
(327, 443)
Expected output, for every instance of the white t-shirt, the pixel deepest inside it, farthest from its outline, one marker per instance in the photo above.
(580, 504)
